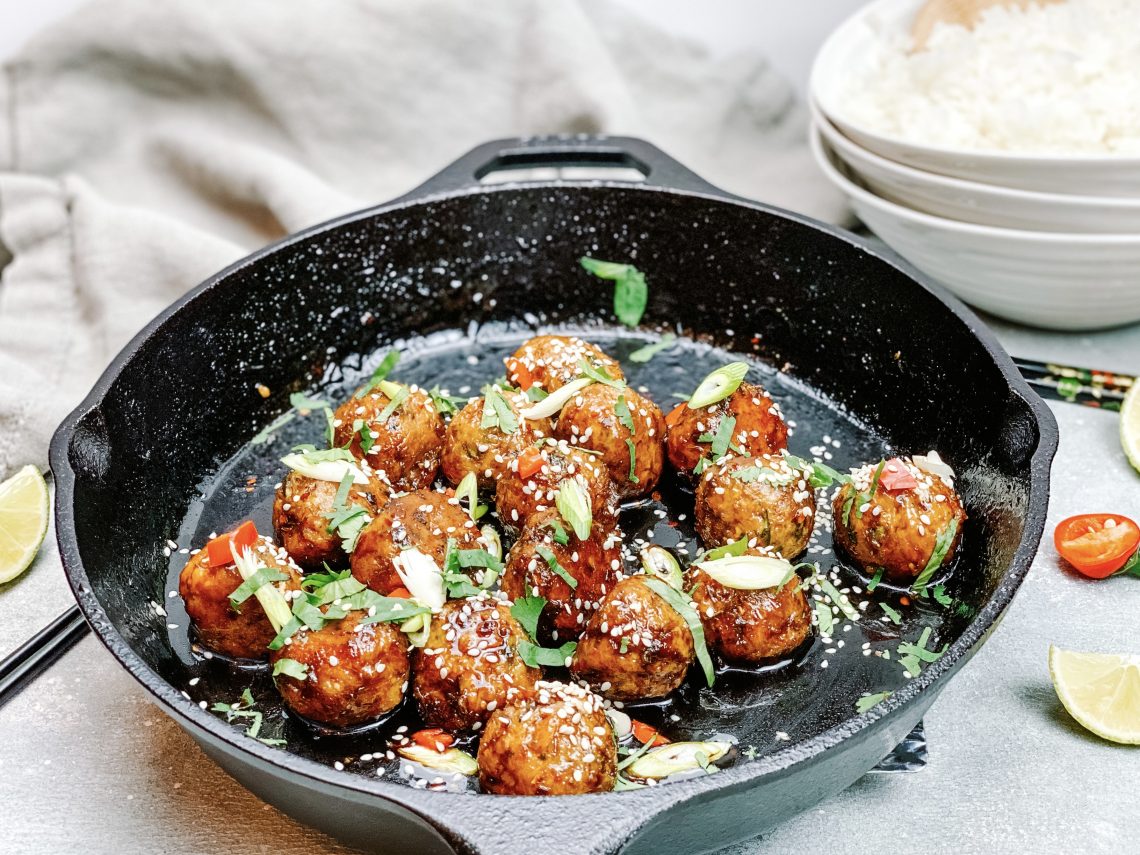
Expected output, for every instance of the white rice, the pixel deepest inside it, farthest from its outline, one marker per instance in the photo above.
(1061, 79)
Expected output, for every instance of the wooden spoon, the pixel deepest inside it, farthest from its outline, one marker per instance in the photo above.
(962, 12)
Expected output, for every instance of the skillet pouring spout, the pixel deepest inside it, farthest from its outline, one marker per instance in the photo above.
(851, 342)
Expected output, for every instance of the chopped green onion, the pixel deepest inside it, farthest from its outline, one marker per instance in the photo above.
(683, 606)
(452, 760)
(823, 617)
(632, 461)
(272, 600)
(382, 371)
(333, 464)
(395, 401)
(719, 385)
(574, 506)
(468, 489)
(841, 600)
(676, 757)
(558, 532)
(660, 562)
(749, 572)
(874, 583)
(555, 401)
(892, 614)
(422, 577)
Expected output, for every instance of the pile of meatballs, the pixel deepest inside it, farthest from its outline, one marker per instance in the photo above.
(548, 733)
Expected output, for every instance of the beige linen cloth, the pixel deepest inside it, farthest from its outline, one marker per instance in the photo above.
(145, 145)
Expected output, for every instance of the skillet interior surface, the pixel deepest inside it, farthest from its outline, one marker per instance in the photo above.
(866, 357)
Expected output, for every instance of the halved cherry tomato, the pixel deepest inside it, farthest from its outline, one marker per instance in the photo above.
(675, 414)
(895, 476)
(218, 549)
(518, 372)
(1097, 545)
(647, 735)
(433, 738)
(530, 461)
(401, 594)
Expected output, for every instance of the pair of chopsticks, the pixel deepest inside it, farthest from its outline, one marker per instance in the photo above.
(1102, 389)
(34, 656)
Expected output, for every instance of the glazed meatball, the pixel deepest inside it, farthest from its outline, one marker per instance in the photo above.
(552, 361)
(759, 428)
(405, 447)
(750, 627)
(636, 646)
(301, 512)
(425, 520)
(556, 741)
(487, 451)
(469, 667)
(761, 498)
(594, 564)
(242, 633)
(598, 418)
(518, 495)
(354, 673)
(896, 529)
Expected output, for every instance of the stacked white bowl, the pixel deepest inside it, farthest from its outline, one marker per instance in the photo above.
(1047, 240)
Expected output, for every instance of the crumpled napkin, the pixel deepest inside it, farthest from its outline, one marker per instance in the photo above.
(145, 145)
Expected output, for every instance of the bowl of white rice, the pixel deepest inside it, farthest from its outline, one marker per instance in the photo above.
(1045, 98)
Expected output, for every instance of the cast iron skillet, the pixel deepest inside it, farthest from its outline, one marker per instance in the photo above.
(854, 330)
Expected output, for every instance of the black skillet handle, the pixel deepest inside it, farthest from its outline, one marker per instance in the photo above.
(596, 152)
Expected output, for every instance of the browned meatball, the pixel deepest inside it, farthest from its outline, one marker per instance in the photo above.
(635, 646)
(896, 529)
(552, 361)
(469, 667)
(557, 741)
(220, 628)
(353, 675)
(597, 418)
(761, 498)
(519, 495)
(759, 428)
(750, 627)
(487, 451)
(301, 512)
(405, 447)
(425, 520)
(594, 564)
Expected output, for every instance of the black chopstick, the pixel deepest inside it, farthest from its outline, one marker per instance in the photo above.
(35, 655)
(1102, 389)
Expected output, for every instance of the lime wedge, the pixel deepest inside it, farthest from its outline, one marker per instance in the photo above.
(1100, 690)
(1130, 426)
(24, 510)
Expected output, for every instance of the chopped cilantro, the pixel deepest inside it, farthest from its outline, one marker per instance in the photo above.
(867, 701)
(621, 408)
(534, 656)
(527, 611)
(631, 293)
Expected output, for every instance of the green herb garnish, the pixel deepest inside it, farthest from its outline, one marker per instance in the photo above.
(632, 460)
(646, 353)
(381, 373)
(394, 403)
(891, 614)
(291, 668)
(621, 408)
(631, 292)
(941, 597)
(737, 548)
(574, 506)
(527, 611)
(823, 617)
(684, 607)
(536, 394)
(941, 546)
(445, 405)
(722, 439)
(867, 701)
(552, 562)
(913, 655)
(263, 576)
(874, 583)
(534, 656)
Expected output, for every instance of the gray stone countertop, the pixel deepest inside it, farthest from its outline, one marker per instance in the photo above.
(88, 764)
